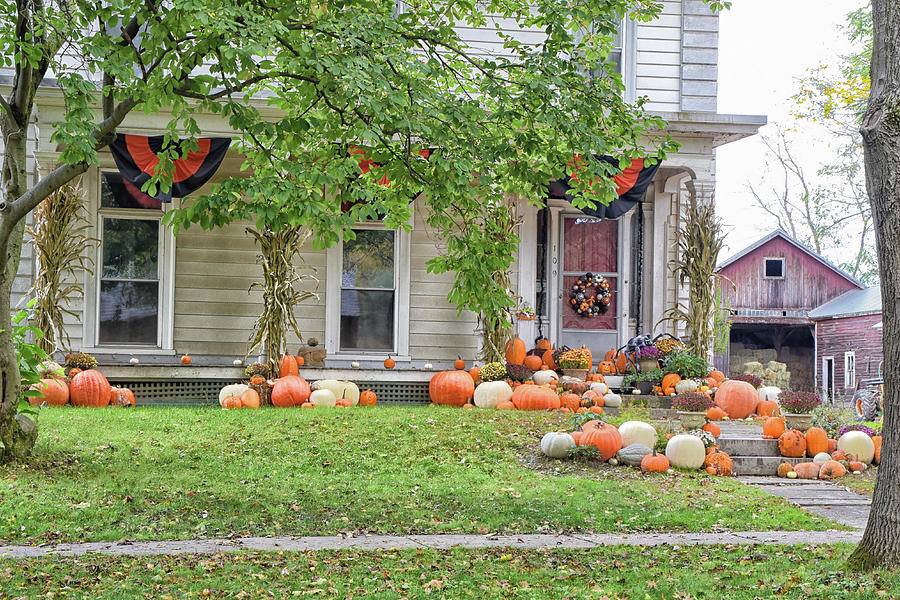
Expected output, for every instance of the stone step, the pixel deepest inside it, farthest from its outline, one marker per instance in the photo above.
(657, 414)
(748, 446)
(648, 401)
(761, 465)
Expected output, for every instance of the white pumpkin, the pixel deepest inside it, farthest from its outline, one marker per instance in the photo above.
(637, 432)
(557, 444)
(235, 389)
(612, 400)
(491, 393)
(821, 458)
(600, 387)
(769, 393)
(858, 446)
(340, 389)
(323, 397)
(544, 377)
(686, 452)
(686, 385)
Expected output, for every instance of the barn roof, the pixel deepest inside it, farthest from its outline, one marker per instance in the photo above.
(784, 235)
(854, 302)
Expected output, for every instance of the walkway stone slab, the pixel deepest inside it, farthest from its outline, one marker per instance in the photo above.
(824, 498)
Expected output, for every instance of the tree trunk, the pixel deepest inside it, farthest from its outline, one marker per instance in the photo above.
(880, 545)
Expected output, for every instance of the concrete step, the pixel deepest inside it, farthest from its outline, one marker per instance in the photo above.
(648, 401)
(657, 414)
(748, 446)
(761, 465)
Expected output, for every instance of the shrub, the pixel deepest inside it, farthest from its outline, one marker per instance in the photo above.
(261, 369)
(751, 379)
(831, 418)
(669, 345)
(688, 366)
(856, 427)
(493, 371)
(692, 402)
(653, 376)
(518, 372)
(664, 433)
(798, 402)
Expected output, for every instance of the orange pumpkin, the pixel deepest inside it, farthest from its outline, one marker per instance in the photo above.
(119, 396)
(300, 361)
(669, 381)
(712, 383)
(367, 398)
(515, 351)
(715, 414)
(839, 455)
(718, 463)
(289, 391)
(343, 403)
(832, 470)
(832, 445)
(855, 465)
(250, 399)
(785, 468)
(595, 409)
(570, 401)
(767, 408)
(622, 362)
(737, 398)
(53, 391)
(596, 377)
(508, 405)
(451, 388)
(876, 439)
(718, 376)
(577, 435)
(257, 380)
(288, 366)
(816, 441)
(713, 429)
(547, 357)
(389, 363)
(534, 362)
(807, 470)
(459, 364)
(605, 438)
(606, 367)
(533, 397)
(307, 405)
(231, 402)
(655, 463)
(89, 388)
(475, 373)
(791, 443)
(773, 427)
(543, 344)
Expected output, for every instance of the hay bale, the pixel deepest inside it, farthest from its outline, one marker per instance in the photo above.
(753, 368)
(776, 366)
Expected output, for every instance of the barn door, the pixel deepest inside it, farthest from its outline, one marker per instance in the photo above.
(589, 245)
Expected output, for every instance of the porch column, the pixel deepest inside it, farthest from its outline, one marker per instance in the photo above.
(553, 283)
(527, 266)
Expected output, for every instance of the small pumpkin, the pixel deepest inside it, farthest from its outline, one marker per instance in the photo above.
(767, 408)
(534, 362)
(718, 463)
(600, 387)
(459, 364)
(855, 466)
(716, 375)
(713, 429)
(343, 402)
(231, 403)
(785, 468)
(257, 380)
(807, 470)
(715, 414)
(570, 400)
(833, 469)
(506, 406)
(367, 398)
(832, 444)
(120, 396)
(307, 405)
(543, 344)
(300, 361)
(557, 444)
(389, 363)
(606, 367)
(655, 463)
(233, 390)
(792, 443)
(816, 441)
(773, 427)
(839, 455)
(475, 373)
(492, 393)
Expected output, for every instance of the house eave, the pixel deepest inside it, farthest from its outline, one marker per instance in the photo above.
(722, 128)
(866, 313)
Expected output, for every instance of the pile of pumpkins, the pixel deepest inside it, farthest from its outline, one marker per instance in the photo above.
(633, 444)
(290, 389)
(853, 452)
(83, 388)
(740, 400)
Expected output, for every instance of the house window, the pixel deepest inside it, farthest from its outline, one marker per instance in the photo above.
(368, 291)
(849, 370)
(774, 268)
(541, 259)
(129, 292)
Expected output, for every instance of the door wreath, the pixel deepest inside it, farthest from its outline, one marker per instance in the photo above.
(590, 296)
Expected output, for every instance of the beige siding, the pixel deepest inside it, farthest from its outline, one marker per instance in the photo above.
(658, 59)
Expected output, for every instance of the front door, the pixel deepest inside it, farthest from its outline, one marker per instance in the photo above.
(589, 246)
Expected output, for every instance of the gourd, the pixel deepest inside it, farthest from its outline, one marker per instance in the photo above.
(715, 413)
(612, 400)
(340, 389)
(452, 388)
(655, 463)
(768, 393)
(833, 469)
(773, 427)
(637, 432)
(633, 454)
(718, 463)
(120, 396)
(686, 452)
(89, 388)
(737, 398)
(821, 458)
(557, 444)
(367, 398)
(288, 391)
(816, 441)
(792, 475)
(712, 428)
(515, 351)
(785, 468)
(857, 445)
(233, 390)
(491, 393)
(767, 408)
(792, 443)
(323, 397)
(53, 391)
(250, 399)
(544, 377)
(288, 366)
(600, 387)
(685, 385)
(807, 470)
(605, 438)
(532, 397)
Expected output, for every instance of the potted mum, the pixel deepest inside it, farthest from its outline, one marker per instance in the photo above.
(643, 381)
(692, 407)
(797, 408)
(648, 358)
(575, 363)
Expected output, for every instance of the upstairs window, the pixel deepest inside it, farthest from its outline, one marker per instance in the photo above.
(773, 268)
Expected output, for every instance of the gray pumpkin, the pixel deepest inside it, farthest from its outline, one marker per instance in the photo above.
(633, 455)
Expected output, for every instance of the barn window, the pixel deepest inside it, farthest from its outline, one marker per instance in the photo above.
(774, 268)
(849, 370)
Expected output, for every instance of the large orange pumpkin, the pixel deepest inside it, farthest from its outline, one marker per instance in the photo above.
(718, 463)
(119, 396)
(533, 397)
(792, 443)
(605, 438)
(451, 388)
(53, 391)
(534, 362)
(737, 398)
(767, 408)
(816, 441)
(773, 427)
(288, 366)
(289, 391)
(368, 398)
(89, 388)
(669, 382)
(515, 351)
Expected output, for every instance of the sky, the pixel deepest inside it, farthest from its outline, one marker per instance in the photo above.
(764, 46)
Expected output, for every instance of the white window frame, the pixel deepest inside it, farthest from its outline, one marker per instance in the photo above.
(334, 258)
(849, 370)
(768, 258)
(166, 274)
(827, 382)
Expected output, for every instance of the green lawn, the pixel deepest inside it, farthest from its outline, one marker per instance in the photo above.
(155, 473)
(619, 572)
(861, 484)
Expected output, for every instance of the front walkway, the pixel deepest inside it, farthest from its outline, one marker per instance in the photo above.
(387, 542)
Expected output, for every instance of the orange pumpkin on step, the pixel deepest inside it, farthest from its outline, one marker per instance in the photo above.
(767, 408)
(792, 443)
(713, 429)
(715, 414)
(606, 367)
(773, 427)
(718, 463)
(737, 398)
(816, 441)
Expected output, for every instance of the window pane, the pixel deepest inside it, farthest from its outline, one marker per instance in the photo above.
(369, 260)
(130, 248)
(367, 320)
(116, 192)
(129, 312)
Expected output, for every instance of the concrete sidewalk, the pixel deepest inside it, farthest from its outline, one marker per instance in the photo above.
(385, 542)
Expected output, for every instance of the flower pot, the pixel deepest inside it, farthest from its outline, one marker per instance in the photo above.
(648, 364)
(614, 381)
(692, 420)
(576, 373)
(645, 386)
(801, 421)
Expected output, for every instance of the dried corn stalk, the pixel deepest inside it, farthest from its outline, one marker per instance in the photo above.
(277, 250)
(497, 325)
(59, 238)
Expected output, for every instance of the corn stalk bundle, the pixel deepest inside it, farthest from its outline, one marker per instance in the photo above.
(277, 250)
(59, 238)
(496, 324)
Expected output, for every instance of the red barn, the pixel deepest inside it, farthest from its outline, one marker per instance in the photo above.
(777, 282)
